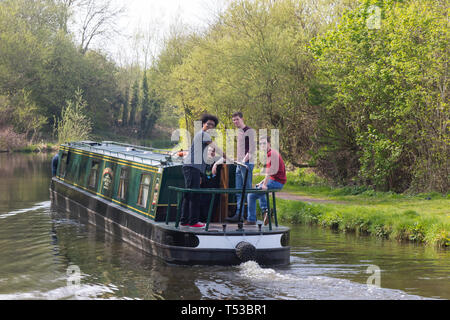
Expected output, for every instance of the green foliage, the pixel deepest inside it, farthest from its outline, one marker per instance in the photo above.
(385, 107)
(145, 106)
(22, 113)
(361, 99)
(151, 108)
(134, 104)
(74, 125)
(40, 61)
(304, 177)
(254, 59)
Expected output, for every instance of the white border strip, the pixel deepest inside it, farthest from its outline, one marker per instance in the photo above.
(229, 242)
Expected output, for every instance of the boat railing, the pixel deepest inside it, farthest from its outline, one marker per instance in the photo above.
(99, 148)
(162, 151)
(213, 192)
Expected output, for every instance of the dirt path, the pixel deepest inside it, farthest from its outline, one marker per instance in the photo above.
(291, 196)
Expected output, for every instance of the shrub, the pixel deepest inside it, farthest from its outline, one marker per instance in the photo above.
(74, 125)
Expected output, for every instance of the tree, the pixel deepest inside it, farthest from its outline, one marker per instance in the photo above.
(254, 59)
(134, 104)
(145, 104)
(125, 108)
(96, 19)
(384, 97)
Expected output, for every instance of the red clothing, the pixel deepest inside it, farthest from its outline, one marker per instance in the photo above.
(280, 174)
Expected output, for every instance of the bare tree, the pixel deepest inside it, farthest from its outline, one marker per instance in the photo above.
(146, 43)
(66, 14)
(96, 19)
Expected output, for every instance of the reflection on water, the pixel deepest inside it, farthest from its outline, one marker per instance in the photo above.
(38, 245)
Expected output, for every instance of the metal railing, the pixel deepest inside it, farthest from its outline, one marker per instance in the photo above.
(214, 192)
(125, 154)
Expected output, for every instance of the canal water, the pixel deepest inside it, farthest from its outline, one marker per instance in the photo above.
(46, 256)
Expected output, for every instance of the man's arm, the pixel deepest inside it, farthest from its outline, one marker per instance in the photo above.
(263, 184)
(221, 160)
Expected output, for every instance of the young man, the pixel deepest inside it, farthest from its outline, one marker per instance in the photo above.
(275, 178)
(245, 154)
(193, 167)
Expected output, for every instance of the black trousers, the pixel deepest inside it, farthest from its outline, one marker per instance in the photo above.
(190, 210)
(205, 199)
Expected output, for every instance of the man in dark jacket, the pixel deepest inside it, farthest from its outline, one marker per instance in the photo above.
(193, 167)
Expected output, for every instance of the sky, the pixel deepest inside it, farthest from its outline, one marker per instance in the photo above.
(193, 12)
(155, 17)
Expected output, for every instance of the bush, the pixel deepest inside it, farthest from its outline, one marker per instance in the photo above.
(74, 125)
(10, 140)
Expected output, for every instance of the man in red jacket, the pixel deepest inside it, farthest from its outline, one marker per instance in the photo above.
(275, 178)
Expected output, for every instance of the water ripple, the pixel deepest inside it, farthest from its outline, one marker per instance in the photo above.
(38, 206)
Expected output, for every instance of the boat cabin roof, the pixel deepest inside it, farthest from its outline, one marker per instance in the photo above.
(146, 155)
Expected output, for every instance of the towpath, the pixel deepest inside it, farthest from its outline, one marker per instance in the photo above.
(293, 196)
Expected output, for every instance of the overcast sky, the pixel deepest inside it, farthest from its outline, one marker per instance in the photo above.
(156, 17)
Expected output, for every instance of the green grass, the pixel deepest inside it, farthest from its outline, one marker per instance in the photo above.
(387, 221)
(422, 218)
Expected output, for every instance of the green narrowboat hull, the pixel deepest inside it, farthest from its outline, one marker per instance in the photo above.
(102, 185)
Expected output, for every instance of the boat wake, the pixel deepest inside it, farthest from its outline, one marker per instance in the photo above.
(38, 206)
(269, 283)
(82, 292)
(252, 270)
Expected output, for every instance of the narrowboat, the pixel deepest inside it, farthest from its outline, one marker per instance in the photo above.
(135, 193)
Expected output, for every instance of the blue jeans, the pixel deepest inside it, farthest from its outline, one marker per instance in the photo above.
(252, 197)
(240, 176)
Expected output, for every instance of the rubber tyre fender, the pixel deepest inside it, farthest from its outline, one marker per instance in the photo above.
(245, 251)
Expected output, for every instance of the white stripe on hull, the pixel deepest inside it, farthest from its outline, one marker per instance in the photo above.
(268, 241)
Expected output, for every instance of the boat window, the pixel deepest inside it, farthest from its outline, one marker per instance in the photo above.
(63, 165)
(93, 176)
(123, 183)
(107, 180)
(143, 190)
(71, 167)
(82, 172)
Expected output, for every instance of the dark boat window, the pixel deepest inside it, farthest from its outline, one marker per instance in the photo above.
(63, 165)
(71, 167)
(93, 176)
(123, 183)
(82, 172)
(143, 190)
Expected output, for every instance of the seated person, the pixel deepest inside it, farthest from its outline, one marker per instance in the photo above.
(275, 178)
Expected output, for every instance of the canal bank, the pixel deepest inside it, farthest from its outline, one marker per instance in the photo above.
(418, 218)
(400, 220)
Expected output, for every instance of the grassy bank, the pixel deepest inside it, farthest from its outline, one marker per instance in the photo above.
(39, 147)
(422, 218)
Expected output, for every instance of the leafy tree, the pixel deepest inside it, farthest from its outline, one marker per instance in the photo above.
(145, 107)
(385, 103)
(125, 108)
(255, 59)
(134, 103)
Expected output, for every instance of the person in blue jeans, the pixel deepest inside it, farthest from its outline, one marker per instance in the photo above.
(245, 154)
(275, 178)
